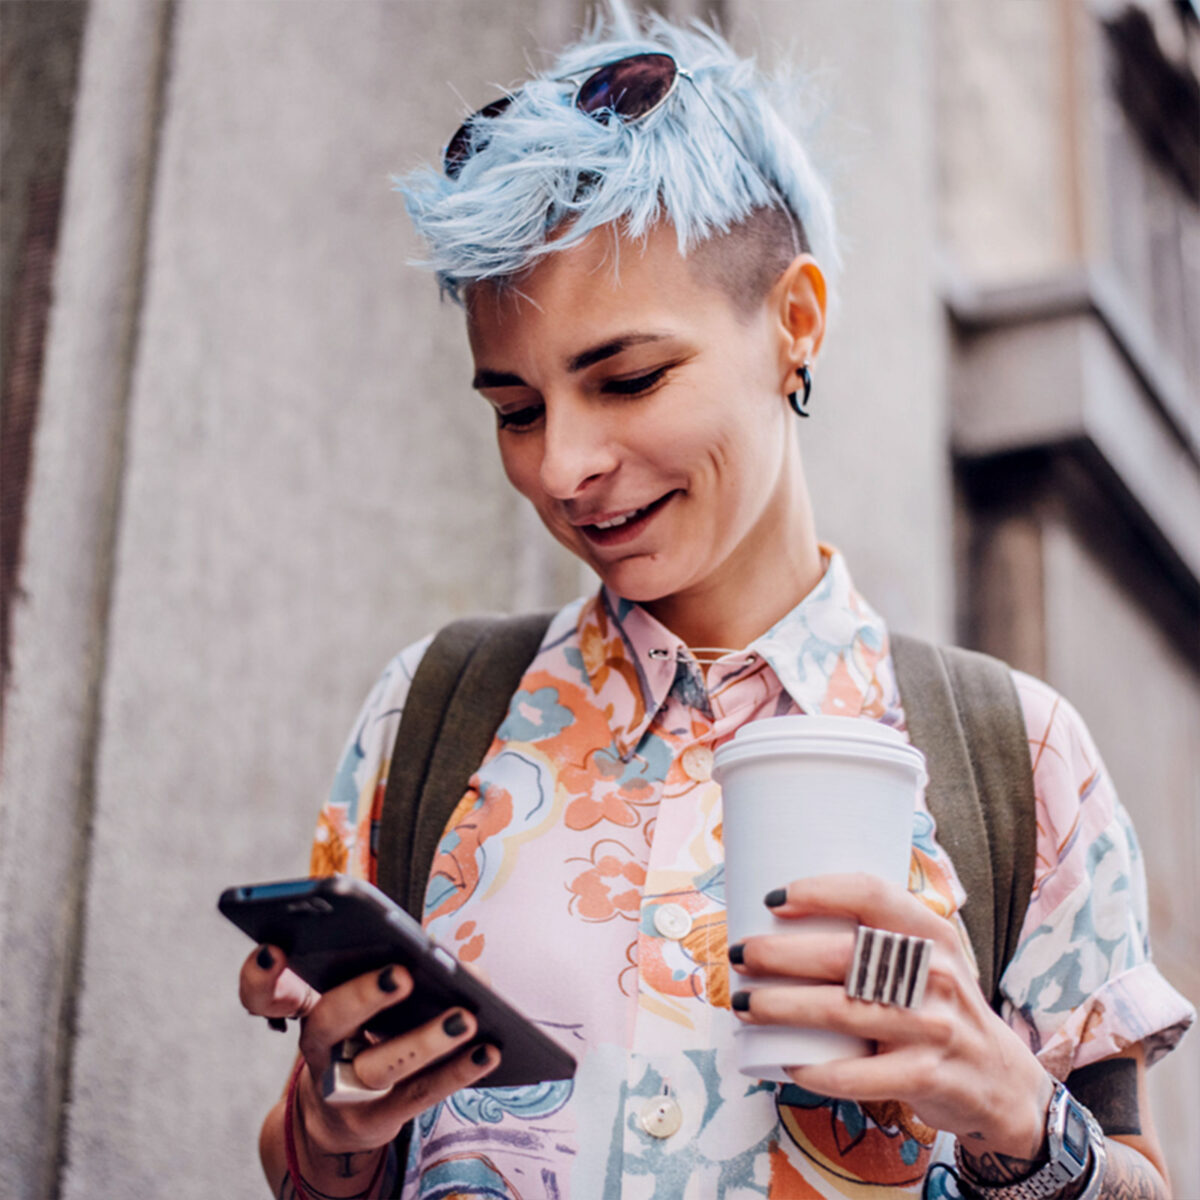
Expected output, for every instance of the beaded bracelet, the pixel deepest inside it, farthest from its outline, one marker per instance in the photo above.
(304, 1189)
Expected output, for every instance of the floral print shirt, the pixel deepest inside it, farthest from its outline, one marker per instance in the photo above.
(583, 872)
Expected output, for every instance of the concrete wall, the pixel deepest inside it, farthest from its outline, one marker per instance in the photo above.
(1141, 703)
(878, 394)
(1075, 433)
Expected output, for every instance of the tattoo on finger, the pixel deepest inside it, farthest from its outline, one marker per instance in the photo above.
(350, 1165)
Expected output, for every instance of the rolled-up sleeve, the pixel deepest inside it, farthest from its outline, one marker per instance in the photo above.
(347, 827)
(1081, 985)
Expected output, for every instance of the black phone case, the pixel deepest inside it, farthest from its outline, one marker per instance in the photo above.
(336, 928)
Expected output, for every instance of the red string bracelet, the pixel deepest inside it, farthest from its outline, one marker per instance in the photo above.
(301, 1184)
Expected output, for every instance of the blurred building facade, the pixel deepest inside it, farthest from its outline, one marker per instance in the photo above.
(241, 465)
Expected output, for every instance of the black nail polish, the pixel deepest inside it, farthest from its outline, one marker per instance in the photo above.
(776, 898)
(479, 1055)
(278, 1024)
(454, 1025)
(265, 959)
(740, 1001)
(387, 980)
(737, 953)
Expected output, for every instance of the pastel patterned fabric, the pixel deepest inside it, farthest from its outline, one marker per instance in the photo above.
(583, 872)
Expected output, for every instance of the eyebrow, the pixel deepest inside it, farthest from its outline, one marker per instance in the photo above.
(589, 358)
(486, 378)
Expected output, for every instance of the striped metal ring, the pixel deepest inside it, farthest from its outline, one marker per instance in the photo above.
(889, 968)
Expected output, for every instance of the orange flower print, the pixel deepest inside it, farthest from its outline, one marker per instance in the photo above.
(594, 652)
(694, 967)
(458, 864)
(602, 656)
(611, 886)
(607, 789)
(843, 698)
(470, 943)
(329, 852)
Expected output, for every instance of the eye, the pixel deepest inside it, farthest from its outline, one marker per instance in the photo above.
(520, 418)
(636, 384)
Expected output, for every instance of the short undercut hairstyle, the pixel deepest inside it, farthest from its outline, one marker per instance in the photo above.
(543, 175)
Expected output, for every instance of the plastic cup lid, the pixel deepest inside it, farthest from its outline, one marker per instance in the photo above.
(849, 736)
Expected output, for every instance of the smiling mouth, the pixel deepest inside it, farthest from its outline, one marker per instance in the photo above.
(625, 527)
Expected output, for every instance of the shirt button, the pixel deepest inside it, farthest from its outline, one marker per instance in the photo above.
(673, 921)
(698, 763)
(661, 1117)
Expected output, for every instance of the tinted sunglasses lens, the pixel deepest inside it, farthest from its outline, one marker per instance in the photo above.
(460, 148)
(631, 88)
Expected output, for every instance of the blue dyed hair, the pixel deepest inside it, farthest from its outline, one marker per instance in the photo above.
(545, 175)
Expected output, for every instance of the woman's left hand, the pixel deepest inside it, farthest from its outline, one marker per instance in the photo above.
(952, 1059)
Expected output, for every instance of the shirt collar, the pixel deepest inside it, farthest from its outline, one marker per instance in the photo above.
(630, 660)
(825, 652)
(828, 650)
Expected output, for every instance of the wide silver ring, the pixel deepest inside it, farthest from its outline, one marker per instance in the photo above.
(889, 968)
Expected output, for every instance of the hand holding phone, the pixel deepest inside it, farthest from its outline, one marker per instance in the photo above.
(336, 929)
(390, 1082)
(392, 1022)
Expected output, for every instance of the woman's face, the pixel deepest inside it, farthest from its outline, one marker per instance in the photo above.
(643, 418)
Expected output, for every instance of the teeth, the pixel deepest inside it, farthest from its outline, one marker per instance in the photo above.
(618, 520)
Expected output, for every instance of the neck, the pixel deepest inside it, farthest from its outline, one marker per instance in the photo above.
(769, 575)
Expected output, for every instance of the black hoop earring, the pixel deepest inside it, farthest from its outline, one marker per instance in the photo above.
(800, 406)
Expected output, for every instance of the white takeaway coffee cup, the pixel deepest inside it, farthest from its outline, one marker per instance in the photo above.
(807, 796)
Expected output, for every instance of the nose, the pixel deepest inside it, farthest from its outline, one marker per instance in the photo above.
(577, 449)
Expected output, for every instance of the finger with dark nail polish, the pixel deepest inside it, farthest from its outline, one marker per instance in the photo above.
(265, 959)
(479, 1055)
(774, 899)
(737, 953)
(454, 1025)
(387, 980)
(740, 1001)
(278, 1024)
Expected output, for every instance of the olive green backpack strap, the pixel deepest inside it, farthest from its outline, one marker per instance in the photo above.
(964, 714)
(458, 697)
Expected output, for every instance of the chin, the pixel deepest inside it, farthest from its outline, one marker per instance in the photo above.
(641, 584)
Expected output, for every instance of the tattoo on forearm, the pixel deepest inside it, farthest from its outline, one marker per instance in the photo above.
(1129, 1176)
(997, 1169)
(1110, 1090)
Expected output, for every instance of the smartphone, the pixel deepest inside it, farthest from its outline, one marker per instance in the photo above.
(336, 928)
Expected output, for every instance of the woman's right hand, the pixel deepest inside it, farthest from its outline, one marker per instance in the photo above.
(331, 1137)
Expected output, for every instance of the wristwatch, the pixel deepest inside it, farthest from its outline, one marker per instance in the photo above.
(1075, 1141)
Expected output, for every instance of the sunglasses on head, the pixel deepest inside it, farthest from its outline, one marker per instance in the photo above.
(630, 88)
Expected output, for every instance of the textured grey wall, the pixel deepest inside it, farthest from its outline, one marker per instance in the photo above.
(1142, 705)
(875, 453)
(1029, 139)
(52, 718)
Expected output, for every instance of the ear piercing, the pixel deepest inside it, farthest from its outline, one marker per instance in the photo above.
(800, 404)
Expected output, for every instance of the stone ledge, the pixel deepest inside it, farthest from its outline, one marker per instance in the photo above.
(1064, 366)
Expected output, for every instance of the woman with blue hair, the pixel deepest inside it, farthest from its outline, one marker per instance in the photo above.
(645, 257)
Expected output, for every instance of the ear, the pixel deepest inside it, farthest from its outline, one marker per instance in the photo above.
(798, 300)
